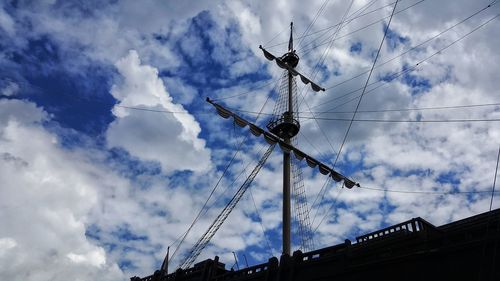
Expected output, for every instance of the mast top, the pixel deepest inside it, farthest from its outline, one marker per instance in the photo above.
(291, 58)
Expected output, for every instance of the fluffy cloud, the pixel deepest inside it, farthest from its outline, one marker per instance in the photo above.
(46, 194)
(171, 139)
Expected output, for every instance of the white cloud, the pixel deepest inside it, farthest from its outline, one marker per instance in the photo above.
(46, 194)
(171, 139)
(96, 258)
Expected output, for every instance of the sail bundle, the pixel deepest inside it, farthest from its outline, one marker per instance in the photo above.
(272, 139)
(315, 87)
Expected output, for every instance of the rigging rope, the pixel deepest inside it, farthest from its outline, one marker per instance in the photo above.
(279, 33)
(409, 121)
(409, 69)
(343, 22)
(357, 76)
(483, 254)
(417, 108)
(303, 96)
(318, 13)
(321, 155)
(314, 75)
(377, 111)
(206, 202)
(322, 193)
(425, 192)
(217, 223)
(357, 106)
(328, 211)
(361, 28)
(301, 210)
(326, 29)
(322, 58)
(366, 85)
(418, 45)
(271, 250)
(217, 184)
(257, 212)
(247, 92)
(332, 204)
(494, 180)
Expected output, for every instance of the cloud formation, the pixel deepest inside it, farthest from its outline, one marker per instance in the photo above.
(171, 139)
(47, 193)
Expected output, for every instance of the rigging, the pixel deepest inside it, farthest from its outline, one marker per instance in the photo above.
(360, 99)
(214, 227)
(406, 70)
(416, 46)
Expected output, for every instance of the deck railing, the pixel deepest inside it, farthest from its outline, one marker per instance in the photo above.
(412, 226)
(316, 254)
(249, 271)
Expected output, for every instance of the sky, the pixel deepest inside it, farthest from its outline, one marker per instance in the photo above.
(108, 149)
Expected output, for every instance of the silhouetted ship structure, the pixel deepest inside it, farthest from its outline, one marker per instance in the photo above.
(412, 250)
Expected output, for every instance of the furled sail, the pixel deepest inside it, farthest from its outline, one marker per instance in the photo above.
(315, 87)
(272, 139)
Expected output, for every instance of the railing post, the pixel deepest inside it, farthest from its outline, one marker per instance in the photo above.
(272, 269)
(178, 274)
(413, 226)
(283, 270)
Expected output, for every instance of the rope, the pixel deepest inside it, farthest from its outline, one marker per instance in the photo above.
(206, 202)
(327, 211)
(418, 45)
(495, 180)
(398, 74)
(271, 250)
(216, 185)
(347, 21)
(407, 121)
(426, 192)
(322, 58)
(320, 10)
(361, 28)
(279, 33)
(375, 111)
(247, 92)
(357, 107)
(364, 89)
(483, 264)
(333, 26)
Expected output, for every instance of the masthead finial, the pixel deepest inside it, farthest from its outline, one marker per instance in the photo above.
(290, 43)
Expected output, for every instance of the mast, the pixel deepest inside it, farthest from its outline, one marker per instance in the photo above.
(285, 124)
(285, 127)
(286, 161)
(281, 131)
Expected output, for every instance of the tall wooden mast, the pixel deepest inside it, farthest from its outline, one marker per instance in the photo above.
(286, 125)
(282, 128)
(290, 133)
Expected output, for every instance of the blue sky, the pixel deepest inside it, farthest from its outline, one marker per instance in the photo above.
(93, 188)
